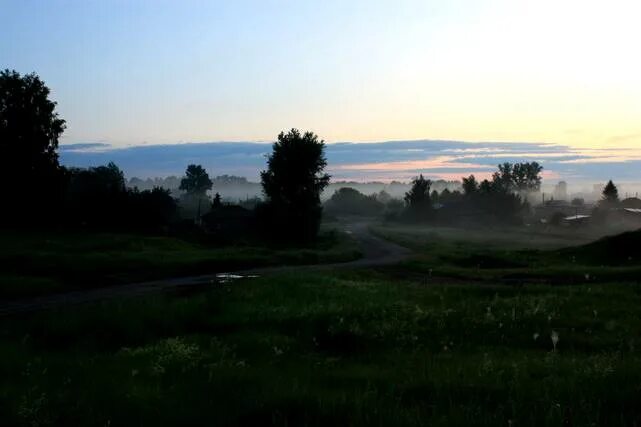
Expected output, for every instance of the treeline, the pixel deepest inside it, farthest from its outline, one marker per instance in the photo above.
(98, 198)
(43, 194)
(290, 209)
(501, 199)
(237, 189)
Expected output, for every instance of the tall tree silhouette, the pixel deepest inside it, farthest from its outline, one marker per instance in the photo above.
(470, 185)
(292, 184)
(29, 133)
(195, 184)
(518, 177)
(418, 200)
(196, 181)
(610, 196)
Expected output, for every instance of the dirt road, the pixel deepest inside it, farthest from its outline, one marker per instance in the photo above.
(376, 252)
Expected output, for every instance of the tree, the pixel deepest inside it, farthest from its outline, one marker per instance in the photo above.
(518, 177)
(434, 197)
(497, 201)
(96, 196)
(347, 200)
(151, 210)
(486, 187)
(29, 133)
(417, 200)
(383, 197)
(610, 195)
(292, 185)
(470, 185)
(217, 202)
(526, 177)
(503, 177)
(196, 181)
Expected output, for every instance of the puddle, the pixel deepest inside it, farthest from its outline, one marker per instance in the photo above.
(232, 277)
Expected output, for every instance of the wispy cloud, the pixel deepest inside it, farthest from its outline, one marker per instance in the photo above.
(389, 160)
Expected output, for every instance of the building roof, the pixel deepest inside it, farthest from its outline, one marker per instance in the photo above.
(576, 217)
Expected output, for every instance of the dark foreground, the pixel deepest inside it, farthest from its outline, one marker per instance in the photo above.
(342, 349)
(469, 331)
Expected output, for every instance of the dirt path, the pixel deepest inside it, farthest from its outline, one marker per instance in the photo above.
(376, 252)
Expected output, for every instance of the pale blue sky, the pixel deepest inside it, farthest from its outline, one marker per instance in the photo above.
(158, 71)
(136, 72)
(130, 72)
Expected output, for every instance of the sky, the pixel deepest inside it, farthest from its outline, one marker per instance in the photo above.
(134, 73)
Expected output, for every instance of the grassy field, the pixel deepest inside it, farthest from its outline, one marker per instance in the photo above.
(349, 348)
(39, 263)
(478, 329)
(517, 255)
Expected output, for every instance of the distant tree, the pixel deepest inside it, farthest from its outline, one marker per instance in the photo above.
(526, 177)
(292, 185)
(196, 181)
(503, 177)
(434, 197)
(383, 197)
(216, 203)
(393, 209)
(610, 195)
(470, 185)
(417, 199)
(349, 201)
(96, 197)
(578, 201)
(151, 210)
(486, 187)
(498, 201)
(98, 181)
(29, 133)
(518, 177)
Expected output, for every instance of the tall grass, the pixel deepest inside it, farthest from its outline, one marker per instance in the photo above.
(355, 348)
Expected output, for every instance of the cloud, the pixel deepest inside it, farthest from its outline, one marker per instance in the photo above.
(84, 147)
(388, 160)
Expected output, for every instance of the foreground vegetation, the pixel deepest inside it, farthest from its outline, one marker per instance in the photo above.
(359, 348)
(517, 255)
(45, 262)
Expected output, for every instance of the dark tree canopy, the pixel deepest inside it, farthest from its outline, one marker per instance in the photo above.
(98, 198)
(470, 185)
(610, 194)
(216, 202)
(29, 125)
(29, 133)
(418, 199)
(527, 176)
(349, 201)
(293, 182)
(196, 181)
(518, 177)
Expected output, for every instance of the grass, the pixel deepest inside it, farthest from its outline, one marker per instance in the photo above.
(478, 329)
(518, 255)
(39, 263)
(347, 348)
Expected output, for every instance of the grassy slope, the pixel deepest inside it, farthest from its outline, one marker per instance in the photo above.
(33, 264)
(619, 250)
(516, 254)
(353, 348)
